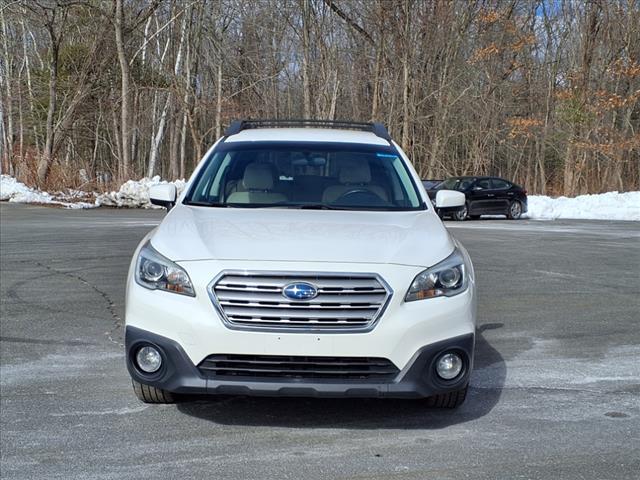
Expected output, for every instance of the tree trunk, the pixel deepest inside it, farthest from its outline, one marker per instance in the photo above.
(7, 137)
(306, 88)
(185, 110)
(3, 155)
(45, 161)
(27, 64)
(125, 113)
(406, 124)
(154, 153)
(569, 169)
(174, 143)
(376, 85)
(334, 97)
(219, 98)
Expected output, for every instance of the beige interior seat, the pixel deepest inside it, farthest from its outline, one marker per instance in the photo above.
(353, 176)
(258, 183)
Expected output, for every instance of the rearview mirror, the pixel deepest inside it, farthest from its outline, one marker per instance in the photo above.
(163, 195)
(309, 162)
(449, 199)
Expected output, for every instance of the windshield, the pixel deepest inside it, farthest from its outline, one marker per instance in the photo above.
(456, 184)
(305, 175)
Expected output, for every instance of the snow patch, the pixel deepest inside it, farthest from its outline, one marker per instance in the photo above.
(602, 206)
(14, 191)
(135, 193)
(132, 194)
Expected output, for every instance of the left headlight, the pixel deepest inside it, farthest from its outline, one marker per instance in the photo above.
(155, 272)
(447, 278)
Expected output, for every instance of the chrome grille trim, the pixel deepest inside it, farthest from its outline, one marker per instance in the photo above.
(253, 300)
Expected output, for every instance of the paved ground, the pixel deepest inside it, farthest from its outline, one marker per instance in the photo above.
(555, 393)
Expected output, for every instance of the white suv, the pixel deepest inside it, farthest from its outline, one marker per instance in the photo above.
(304, 258)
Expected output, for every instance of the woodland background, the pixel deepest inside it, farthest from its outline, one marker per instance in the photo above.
(546, 93)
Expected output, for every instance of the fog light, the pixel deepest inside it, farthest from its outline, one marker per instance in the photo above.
(149, 359)
(449, 366)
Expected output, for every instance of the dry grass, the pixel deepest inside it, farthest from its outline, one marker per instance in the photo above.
(60, 178)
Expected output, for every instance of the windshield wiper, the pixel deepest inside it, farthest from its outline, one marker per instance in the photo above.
(304, 206)
(296, 206)
(318, 206)
(207, 204)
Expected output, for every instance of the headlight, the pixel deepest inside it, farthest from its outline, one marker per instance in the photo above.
(156, 272)
(447, 278)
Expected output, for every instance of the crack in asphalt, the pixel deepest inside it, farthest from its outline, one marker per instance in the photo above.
(541, 389)
(37, 341)
(111, 306)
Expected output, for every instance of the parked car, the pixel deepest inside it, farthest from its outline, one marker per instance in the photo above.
(484, 196)
(430, 184)
(301, 262)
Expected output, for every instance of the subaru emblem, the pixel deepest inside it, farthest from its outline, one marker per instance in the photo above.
(300, 291)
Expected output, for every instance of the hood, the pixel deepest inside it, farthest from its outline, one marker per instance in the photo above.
(415, 238)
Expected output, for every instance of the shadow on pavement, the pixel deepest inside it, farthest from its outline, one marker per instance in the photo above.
(356, 413)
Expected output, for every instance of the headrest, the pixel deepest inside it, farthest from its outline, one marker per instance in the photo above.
(258, 176)
(354, 173)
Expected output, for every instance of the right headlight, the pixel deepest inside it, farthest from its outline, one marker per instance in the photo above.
(156, 272)
(448, 278)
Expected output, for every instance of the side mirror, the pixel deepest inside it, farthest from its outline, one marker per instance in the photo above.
(163, 195)
(450, 199)
(477, 188)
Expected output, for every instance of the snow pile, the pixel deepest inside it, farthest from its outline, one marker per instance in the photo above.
(603, 206)
(132, 194)
(135, 193)
(15, 191)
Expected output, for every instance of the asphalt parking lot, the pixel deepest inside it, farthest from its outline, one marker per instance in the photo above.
(555, 392)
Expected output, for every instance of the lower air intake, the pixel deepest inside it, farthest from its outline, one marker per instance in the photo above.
(270, 366)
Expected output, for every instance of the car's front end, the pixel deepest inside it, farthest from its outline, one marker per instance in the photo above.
(301, 301)
(369, 337)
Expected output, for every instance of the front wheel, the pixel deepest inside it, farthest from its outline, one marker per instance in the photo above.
(149, 394)
(461, 213)
(515, 210)
(448, 400)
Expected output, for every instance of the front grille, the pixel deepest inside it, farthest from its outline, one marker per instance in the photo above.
(344, 302)
(352, 368)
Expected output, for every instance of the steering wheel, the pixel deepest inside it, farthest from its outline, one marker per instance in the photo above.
(355, 191)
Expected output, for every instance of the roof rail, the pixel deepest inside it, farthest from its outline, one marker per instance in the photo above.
(236, 126)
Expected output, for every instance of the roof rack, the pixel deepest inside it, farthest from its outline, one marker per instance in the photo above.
(378, 129)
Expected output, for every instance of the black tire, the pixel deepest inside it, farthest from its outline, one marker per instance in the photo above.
(149, 394)
(515, 210)
(448, 400)
(461, 214)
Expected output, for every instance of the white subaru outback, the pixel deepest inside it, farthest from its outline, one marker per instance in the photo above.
(304, 258)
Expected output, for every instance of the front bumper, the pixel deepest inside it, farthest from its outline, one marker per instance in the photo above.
(180, 375)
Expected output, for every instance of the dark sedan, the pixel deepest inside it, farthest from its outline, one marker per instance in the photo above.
(431, 183)
(485, 196)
